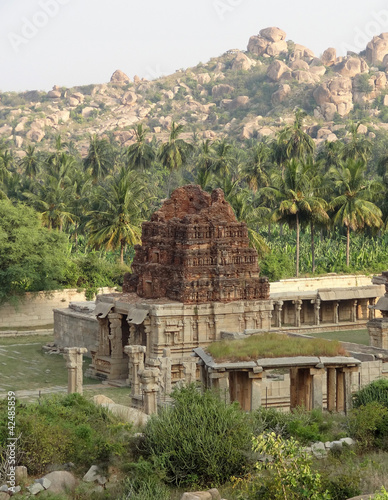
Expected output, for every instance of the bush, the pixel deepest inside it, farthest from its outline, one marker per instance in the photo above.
(200, 440)
(63, 429)
(369, 425)
(375, 391)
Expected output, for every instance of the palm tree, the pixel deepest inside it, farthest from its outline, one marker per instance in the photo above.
(116, 218)
(352, 206)
(224, 159)
(359, 147)
(140, 155)
(30, 163)
(295, 198)
(175, 152)
(100, 159)
(293, 142)
(256, 170)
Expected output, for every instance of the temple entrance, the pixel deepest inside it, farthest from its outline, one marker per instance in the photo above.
(240, 389)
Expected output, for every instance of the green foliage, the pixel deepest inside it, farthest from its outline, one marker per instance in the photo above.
(362, 84)
(63, 429)
(381, 495)
(143, 483)
(286, 472)
(368, 424)
(200, 440)
(272, 345)
(277, 265)
(32, 258)
(342, 486)
(375, 391)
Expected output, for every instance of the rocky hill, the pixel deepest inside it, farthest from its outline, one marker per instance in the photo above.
(241, 94)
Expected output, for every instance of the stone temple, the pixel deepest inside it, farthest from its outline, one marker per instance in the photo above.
(194, 276)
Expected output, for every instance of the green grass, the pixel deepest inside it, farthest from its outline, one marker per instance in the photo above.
(272, 345)
(25, 366)
(354, 336)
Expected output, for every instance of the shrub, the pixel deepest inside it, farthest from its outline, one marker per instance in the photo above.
(368, 424)
(200, 440)
(286, 472)
(375, 391)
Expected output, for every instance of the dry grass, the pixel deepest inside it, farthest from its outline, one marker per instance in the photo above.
(272, 345)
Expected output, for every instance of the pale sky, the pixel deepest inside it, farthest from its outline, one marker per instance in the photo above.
(79, 42)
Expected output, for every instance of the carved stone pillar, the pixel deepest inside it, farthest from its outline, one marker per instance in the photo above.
(298, 308)
(74, 358)
(165, 375)
(116, 335)
(103, 337)
(147, 331)
(331, 389)
(353, 313)
(278, 313)
(190, 371)
(336, 312)
(317, 395)
(372, 311)
(149, 378)
(317, 308)
(136, 355)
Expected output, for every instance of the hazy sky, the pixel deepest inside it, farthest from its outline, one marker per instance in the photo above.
(75, 42)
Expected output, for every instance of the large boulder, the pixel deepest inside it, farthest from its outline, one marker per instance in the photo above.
(241, 61)
(377, 48)
(351, 66)
(299, 64)
(335, 96)
(257, 45)
(129, 98)
(329, 57)
(277, 48)
(61, 481)
(203, 78)
(278, 70)
(301, 52)
(221, 90)
(237, 103)
(120, 78)
(281, 94)
(273, 34)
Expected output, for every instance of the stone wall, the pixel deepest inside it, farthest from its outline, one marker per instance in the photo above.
(311, 284)
(75, 329)
(36, 310)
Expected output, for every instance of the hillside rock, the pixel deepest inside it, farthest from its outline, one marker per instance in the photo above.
(61, 481)
(237, 103)
(35, 135)
(351, 67)
(305, 77)
(273, 34)
(377, 48)
(299, 64)
(120, 78)
(334, 96)
(329, 57)
(281, 94)
(54, 94)
(221, 90)
(278, 70)
(203, 78)
(270, 43)
(301, 52)
(129, 98)
(317, 70)
(241, 62)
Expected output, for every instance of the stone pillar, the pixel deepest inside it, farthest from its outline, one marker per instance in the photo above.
(132, 334)
(190, 371)
(165, 372)
(372, 310)
(257, 386)
(317, 393)
(147, 330)
(74, 358)
(298, 307)
(220, 382)
(317, 308)
(136, 355)
(336, 312)
(331, 389)
(103, 337)
(116, 335)
(278, 313)
(348, 387)
(149, 378)
(340, 393)
(353, 314)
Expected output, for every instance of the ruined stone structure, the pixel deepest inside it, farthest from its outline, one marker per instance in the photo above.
(378, 327)
(74, 359)
(194, 277)
(195, 251)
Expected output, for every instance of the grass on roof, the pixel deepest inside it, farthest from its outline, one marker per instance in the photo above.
(272, 345)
